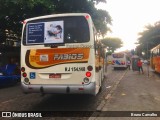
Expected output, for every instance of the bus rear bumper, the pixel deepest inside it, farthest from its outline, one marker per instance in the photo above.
(60, 89)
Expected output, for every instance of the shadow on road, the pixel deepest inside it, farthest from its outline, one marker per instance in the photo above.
(65, 103)
(119, 68)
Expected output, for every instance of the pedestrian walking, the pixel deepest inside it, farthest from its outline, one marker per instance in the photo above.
(140, 68)
(128, 64)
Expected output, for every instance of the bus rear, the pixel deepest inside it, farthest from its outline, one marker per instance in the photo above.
(119, 60)
(155, 58)
(56, 54)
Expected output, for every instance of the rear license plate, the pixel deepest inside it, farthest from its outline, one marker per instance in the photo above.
(54, 75)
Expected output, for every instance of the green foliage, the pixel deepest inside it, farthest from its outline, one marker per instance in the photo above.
(101, 18)
(112, 43)
(29, 8)
(149, 38)
(109, 53)
(151, 34)
(15, 11)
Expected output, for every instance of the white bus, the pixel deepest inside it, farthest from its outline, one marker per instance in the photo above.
(58, 55)
(119, 60)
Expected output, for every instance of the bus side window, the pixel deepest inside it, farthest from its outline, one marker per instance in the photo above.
(24, 36)
(158, 52)
(154, 53)
(102, 51)
(95, 44)
(96, 49)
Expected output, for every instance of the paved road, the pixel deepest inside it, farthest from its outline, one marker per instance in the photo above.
(118, 87)
(135, 92)
(12, 98)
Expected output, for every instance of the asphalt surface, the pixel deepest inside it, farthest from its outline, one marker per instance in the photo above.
(122, 90)
(136, 97)
(12, 99)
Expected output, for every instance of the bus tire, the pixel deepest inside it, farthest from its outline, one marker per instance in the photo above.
(102, 78)
(100, 89)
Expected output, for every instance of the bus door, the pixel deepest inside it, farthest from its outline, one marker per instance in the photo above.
(99, 65)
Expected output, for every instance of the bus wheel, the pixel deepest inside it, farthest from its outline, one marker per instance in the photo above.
(100, 89)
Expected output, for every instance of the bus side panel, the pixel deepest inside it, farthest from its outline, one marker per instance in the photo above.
(157, 64)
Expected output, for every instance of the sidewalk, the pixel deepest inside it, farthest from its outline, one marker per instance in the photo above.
(135, 92)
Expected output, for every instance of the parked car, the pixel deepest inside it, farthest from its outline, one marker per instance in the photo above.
(9, 75)
(109, 62)
(9, 80)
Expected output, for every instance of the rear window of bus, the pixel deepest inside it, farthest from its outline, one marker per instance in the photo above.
(75, 29)
(118, 55)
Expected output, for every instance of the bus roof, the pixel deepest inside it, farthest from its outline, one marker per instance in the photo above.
(58, 15)
(158, 46)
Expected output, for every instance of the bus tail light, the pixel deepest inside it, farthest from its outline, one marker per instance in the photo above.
(88, 74)
(24, 74)
(22, 69)
(81, 88)
(89, 68)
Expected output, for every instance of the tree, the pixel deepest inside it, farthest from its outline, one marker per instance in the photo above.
(15, 11)
(149, 38)
(100, 17)
(112, 43)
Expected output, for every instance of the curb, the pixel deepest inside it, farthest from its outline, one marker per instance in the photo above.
(107, 98)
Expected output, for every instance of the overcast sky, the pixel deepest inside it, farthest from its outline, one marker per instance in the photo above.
(130, 17)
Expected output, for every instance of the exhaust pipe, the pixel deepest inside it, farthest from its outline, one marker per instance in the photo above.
(68, 90)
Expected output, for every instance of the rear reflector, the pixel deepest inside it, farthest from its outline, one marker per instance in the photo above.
(81, 88)
(30, 88)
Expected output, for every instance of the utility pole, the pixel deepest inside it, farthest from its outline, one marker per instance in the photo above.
(147, 60)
